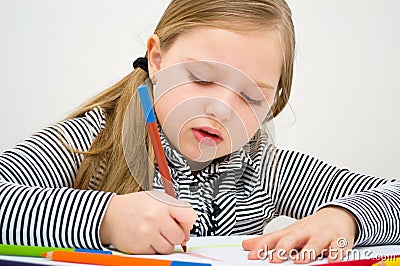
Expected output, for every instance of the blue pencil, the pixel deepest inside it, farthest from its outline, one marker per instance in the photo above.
(35, 251)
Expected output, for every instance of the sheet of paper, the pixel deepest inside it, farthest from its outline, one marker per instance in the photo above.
(224, 250)
(215, 250)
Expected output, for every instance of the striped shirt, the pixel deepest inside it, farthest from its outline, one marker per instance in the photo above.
(236, 194)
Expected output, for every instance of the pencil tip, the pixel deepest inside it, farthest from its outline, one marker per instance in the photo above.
(48, 254)
(184, 247)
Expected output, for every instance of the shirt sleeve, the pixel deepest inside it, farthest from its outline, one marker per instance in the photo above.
(300, 184)
(39, 205)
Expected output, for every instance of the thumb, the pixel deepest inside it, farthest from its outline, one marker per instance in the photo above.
(181, 211)
(184, 215)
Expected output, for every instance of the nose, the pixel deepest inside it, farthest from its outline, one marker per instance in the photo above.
(221, 107)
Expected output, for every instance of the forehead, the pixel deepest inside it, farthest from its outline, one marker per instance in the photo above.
(258, 55)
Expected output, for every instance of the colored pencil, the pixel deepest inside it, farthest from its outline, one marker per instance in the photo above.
(392, 261)
(113, 260)
(366, 262)
(151, 123)
(152, 127)
(388, 263)
(17, 263)
(36, 251)
(362, 262)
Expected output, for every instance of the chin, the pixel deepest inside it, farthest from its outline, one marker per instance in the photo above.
(205, 157)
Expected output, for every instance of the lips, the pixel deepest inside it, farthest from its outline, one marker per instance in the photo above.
(207, 136)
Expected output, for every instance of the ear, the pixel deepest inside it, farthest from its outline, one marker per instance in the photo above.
(153, 54)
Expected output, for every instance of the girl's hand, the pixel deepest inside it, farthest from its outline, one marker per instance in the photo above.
(146, 223)
(330, 232)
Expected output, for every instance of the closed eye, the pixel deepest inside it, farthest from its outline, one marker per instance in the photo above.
(199, 80)
(250, 100)
(203, 82)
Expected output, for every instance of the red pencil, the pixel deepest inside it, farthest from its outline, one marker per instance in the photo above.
(362, 262)
(152, 127)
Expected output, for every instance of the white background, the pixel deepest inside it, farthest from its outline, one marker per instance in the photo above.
(344, 105)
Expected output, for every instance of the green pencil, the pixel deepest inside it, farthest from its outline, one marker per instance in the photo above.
(34, 251)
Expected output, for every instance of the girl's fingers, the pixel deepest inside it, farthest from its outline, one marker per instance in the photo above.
(340, 248)
(161, 245)
(138, 247)
(260, 245)
(172, 231)
(186, 230)
(148, 250)
(161, 238)
(288, 245)
(302, 246)
(307, 239)
(313, 249)
(186, 216)
(249, 243)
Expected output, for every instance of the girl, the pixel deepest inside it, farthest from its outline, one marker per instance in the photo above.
(216, 66)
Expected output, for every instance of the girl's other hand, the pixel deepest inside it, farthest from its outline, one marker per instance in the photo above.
(330, 232)
(146, 223)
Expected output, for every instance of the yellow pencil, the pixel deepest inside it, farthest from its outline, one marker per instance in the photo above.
(389, 262)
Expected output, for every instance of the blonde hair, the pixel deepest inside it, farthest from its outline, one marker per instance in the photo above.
(180, 17)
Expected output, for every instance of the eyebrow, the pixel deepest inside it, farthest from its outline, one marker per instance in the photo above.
(264, 85)
(259, 84)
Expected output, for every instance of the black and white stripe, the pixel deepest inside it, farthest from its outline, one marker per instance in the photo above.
(238, 194)
(37, 203)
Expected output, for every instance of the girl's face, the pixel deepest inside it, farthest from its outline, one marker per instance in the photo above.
(213, 88)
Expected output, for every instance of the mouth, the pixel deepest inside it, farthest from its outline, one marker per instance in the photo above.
(207, 136)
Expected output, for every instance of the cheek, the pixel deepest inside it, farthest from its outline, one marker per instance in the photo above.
(257, 114)
(166, 103)
(271, 98)
(252, 127)
(161, 109)
(252, 118)
(242, 127)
